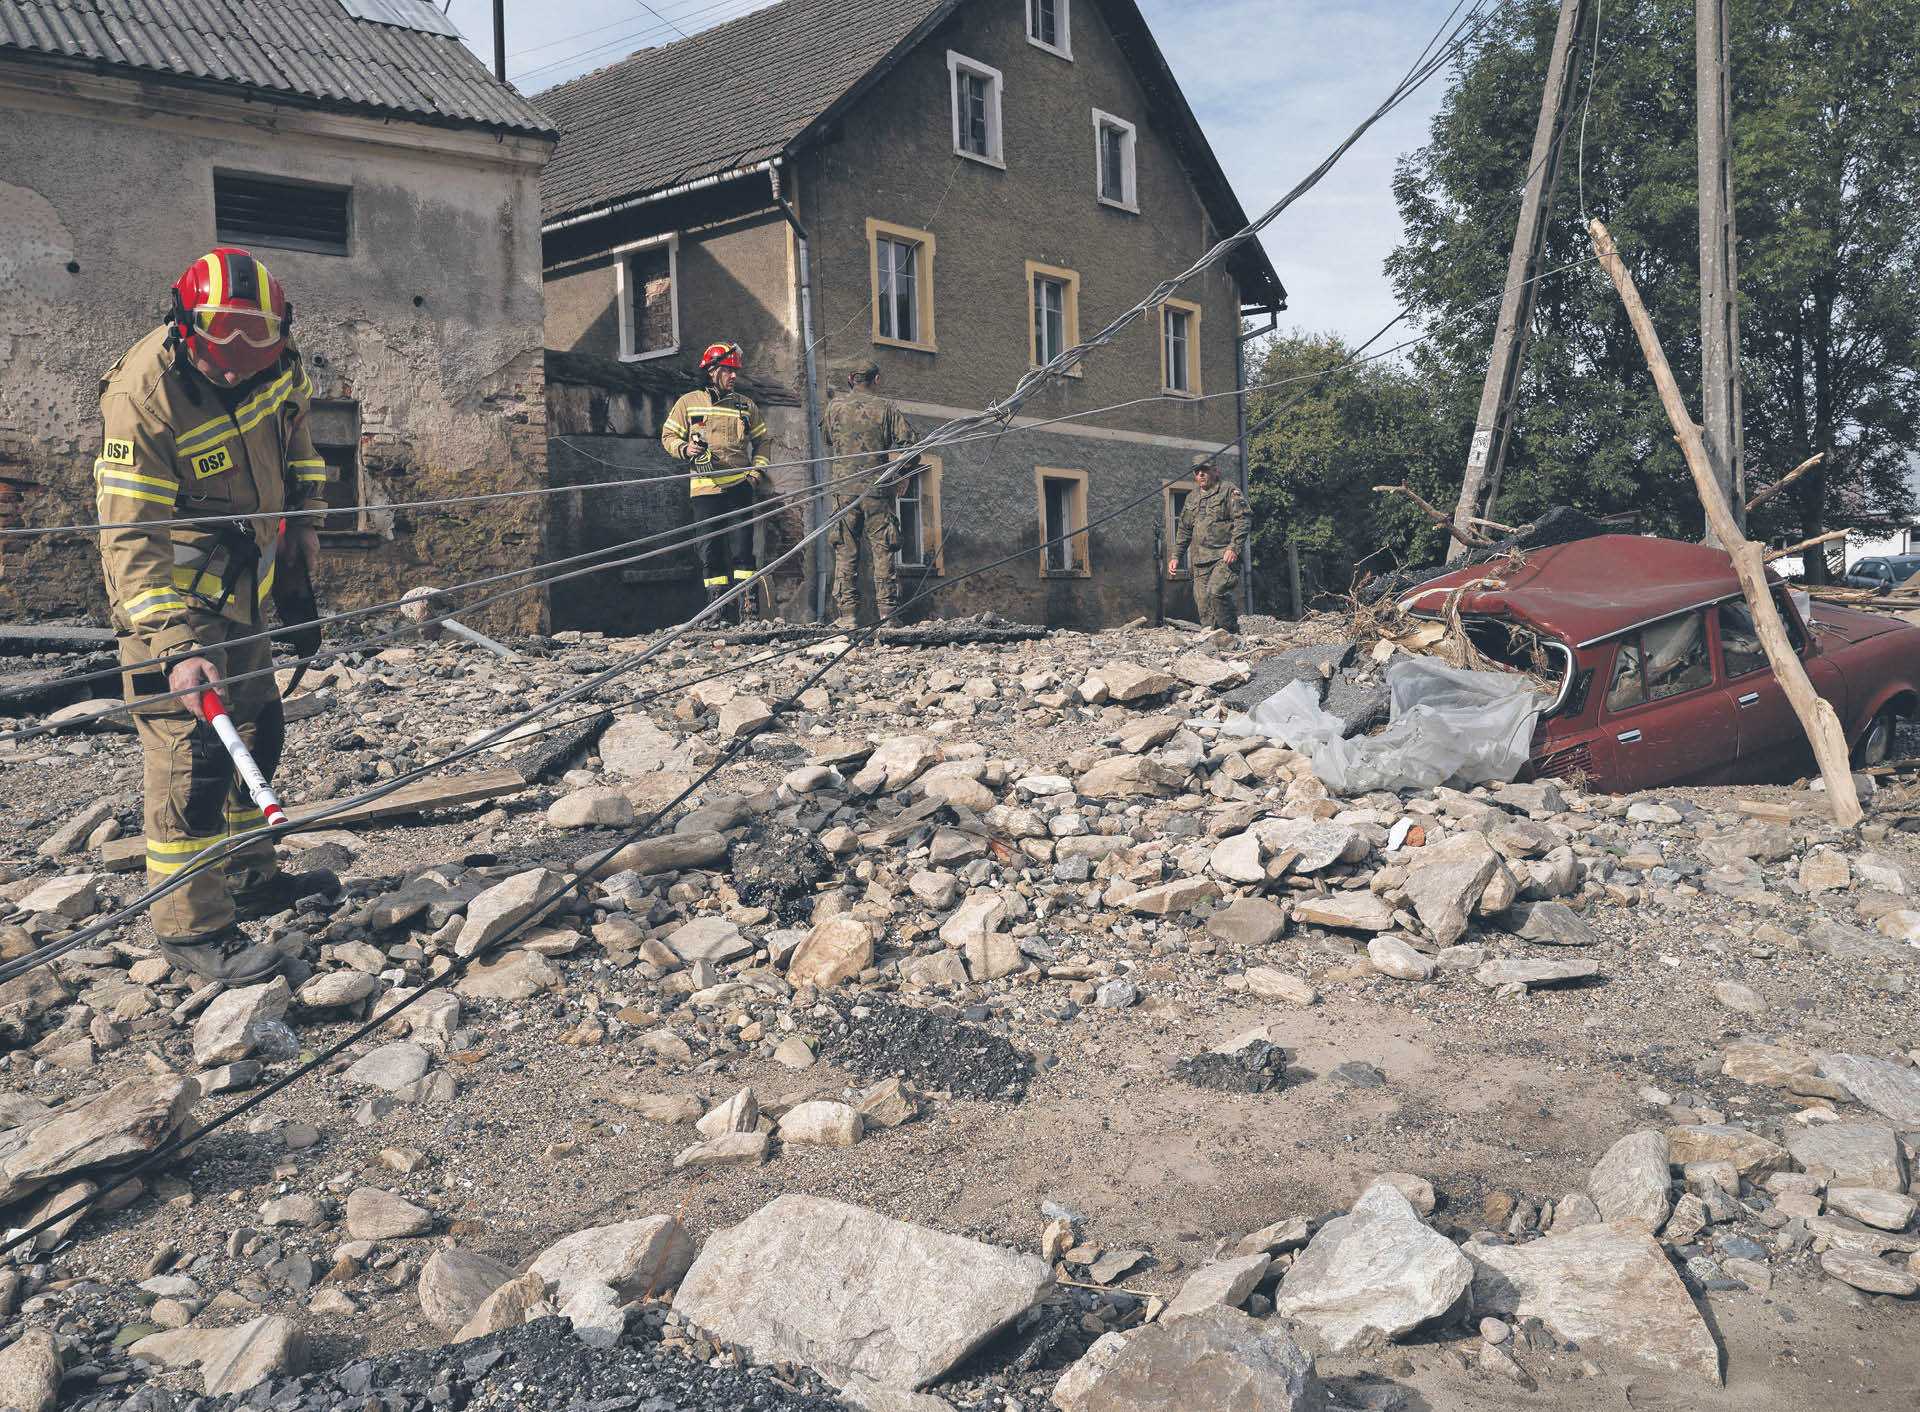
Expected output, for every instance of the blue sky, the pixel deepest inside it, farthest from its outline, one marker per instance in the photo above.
(1276, 84)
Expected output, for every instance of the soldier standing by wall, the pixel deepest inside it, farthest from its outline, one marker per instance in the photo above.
(720, 433)
(867, 428)
(207, 416)
(1214, 523)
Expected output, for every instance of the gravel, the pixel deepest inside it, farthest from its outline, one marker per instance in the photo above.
(932, 1050)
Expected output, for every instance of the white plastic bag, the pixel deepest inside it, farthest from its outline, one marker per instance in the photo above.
(1448, 726)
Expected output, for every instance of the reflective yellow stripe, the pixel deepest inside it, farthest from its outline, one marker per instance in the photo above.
(721, 482)
(720, 582)
(759, 460)
(168, 858)
(743, 573)
(152, 604)
(240, 820)
(125, 493)
(316, 461)
(266, 585)
(246, 417)
(198, 582)
(674, 426)
(108, 470)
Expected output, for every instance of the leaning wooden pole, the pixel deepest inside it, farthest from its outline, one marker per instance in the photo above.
(1817, 717)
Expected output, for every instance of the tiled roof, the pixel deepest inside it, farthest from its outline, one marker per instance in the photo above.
(750, 90)
(730, 96)
(310, 51)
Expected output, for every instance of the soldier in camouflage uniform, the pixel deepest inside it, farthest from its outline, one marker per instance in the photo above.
(866, 427)
(1214, 524)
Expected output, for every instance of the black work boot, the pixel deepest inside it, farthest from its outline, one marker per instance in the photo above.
(228, 955)
(280, 890)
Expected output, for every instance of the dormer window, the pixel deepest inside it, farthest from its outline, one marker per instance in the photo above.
(1048, 27)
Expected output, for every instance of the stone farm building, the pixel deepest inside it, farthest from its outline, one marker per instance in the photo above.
(968, 185)
(376, 166)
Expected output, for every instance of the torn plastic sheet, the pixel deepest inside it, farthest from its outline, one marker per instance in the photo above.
(1448, 726)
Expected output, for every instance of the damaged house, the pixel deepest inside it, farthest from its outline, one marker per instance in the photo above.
(956, 189)
(372, 161)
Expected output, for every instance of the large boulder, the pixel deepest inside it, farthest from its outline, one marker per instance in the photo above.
(1446, 887)
(1852, 1154)
(230, 1360)
(897, 763)
(454, 1283)
(1377, 1267)
(1129, 777)
(1128, 682)
(30, 1371)
(129, 1120)
(635, 746)
(1609, 1286)
(504, 906)
(848, 1291)
(1631, 1182)
(636, 1258)
(836, 950)
(649, 857)
(230, 1028)
(1892, 1090)
(1216, 1359)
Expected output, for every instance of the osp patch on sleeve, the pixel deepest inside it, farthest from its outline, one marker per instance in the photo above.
(117, 453)
(212, 463)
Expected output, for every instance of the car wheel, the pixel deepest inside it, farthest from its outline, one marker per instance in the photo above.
(1877, 744)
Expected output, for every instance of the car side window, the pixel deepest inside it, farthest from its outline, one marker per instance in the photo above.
(1629, 687)
(1676, 656)
(1740, 640)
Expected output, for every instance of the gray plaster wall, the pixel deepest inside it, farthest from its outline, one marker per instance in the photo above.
(433, 322)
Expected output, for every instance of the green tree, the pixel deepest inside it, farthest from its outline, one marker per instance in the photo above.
(1328, 438)
(1826, 131)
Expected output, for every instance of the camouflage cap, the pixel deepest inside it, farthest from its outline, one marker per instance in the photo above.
(860, 369)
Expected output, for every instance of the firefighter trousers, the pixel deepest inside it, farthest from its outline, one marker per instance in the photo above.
(1216, 589)
(875, 516)
(726, 558)
(195, 799)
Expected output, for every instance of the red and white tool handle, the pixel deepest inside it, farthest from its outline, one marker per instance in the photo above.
(243, 761)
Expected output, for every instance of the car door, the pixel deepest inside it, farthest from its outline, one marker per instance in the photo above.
(1669, 721)
(1772, 744)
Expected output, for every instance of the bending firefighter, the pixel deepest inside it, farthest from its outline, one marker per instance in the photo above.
(861, 424)
(719, 433)
(205, 416)
(1212, 533)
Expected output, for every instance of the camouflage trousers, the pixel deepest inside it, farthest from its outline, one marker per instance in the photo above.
(873, 516)
(1216, 595)
(194, 798)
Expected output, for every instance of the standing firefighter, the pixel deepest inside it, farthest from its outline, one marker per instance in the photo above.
(867, 428)
(719, 432)
(1214, 524)
(206, 416)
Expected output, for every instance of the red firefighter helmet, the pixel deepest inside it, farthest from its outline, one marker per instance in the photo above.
(720, 355)
(230, 315)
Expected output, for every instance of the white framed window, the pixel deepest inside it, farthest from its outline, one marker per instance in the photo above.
(1180, 347)
(1113, 162)
(901, 261)
(975, 104)
(1061, 497)
(918, 507)
(1050, 26)
(646, 282)
(1053, 312)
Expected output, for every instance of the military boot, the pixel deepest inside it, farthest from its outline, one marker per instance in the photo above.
(280, 890)
(228, 955)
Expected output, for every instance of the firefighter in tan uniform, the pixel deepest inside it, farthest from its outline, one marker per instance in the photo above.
(867, 428)
(206, 416)
(720, 433)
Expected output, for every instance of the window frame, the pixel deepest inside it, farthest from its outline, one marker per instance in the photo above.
(1069, 310)
(231, 237)
(327, 526)
(1063, 26)
(927, 481)
(1192, 311)
(1635, 641)
(623, 294)
(1171, 518)
(923, 283)
(1078, 540)
(1130, 163)
(996, 153)
(1720, 641)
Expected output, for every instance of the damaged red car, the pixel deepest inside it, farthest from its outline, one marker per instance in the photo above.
(1657, 669)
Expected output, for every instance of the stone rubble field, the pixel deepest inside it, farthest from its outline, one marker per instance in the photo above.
(994, 1033)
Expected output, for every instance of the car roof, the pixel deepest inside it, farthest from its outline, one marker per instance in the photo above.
(1589, 589)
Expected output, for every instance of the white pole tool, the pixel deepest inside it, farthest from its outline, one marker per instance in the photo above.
(243, 761)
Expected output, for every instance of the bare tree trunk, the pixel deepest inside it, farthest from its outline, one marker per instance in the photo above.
(1817, 717)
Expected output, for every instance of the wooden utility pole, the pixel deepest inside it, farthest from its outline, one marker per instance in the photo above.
(1493, 427)
(1719, 269)
(1816, 715)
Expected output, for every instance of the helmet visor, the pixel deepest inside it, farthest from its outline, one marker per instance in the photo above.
(222, 324)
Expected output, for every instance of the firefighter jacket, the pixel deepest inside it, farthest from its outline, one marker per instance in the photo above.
(1212, 521)
(735, 437)
(174, 448)
(858, 421)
